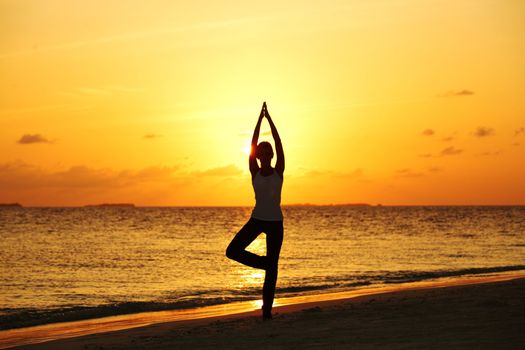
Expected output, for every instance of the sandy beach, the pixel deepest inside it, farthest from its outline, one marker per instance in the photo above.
(464, 314)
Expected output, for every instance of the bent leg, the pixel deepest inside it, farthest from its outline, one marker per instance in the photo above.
(237, 248)
(274, 240)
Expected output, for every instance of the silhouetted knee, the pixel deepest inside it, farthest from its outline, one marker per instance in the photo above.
(230, 252)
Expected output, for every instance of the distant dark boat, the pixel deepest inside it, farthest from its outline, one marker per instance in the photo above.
(120, 205)
(11, 205)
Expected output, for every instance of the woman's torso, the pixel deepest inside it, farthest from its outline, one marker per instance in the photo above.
(267, 196)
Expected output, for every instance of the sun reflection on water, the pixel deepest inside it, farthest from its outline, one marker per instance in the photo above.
(250, 277)
(257, 304)
(253, 277)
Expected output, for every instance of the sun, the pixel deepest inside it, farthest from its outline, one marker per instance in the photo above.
(247, 148)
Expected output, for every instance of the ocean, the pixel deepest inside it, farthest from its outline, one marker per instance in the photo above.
(61, 264)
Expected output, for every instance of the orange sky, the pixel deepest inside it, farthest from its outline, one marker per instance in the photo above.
(392, 102)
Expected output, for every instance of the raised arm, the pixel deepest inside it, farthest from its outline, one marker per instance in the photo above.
(254, 167)
(279, 164)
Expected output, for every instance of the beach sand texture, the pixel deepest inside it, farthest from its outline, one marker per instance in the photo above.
(471, 316)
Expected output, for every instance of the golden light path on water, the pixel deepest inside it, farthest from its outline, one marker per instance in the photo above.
(44, 333)
(249, 276)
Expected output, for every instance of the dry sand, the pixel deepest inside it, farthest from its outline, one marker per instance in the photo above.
(474, 316)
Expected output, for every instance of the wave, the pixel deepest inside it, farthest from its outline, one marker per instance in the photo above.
(26, 317)
(16, 318)
(414, 276)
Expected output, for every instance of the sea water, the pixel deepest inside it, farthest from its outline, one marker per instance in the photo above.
(59, 264)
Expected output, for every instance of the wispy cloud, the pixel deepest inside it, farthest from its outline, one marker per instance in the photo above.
(27, 139)
(450, 151)
(123, 37)
(81, 184)
(519, 131)
(457, 93)
(22, 174)
(227, 170)
(108, 90)
(482, 131)
(489, 153)
(428, 132)
(57, 107)
(434, 169)
(356, 175)
(152, 136)
(410, 173)
(407, 172)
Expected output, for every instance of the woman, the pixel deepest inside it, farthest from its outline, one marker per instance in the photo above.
(267, 216)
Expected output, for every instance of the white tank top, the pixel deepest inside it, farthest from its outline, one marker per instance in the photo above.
(267, 197)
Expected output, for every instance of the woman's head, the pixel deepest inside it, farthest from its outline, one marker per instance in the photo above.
(264, 151)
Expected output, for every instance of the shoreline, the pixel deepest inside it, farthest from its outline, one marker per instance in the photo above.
(77, 332)
(33, 318)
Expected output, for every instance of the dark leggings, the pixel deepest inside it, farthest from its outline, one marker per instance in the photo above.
(274, 238)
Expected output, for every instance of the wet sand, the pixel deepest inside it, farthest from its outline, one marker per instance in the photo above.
(482, 313)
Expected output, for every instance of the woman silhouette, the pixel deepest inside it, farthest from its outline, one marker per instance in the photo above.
(266, 216)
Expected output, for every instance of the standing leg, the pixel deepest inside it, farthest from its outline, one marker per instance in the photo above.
(237, 248)
(274, 240)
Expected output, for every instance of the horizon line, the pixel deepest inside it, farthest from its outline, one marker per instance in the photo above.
(132, 205)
